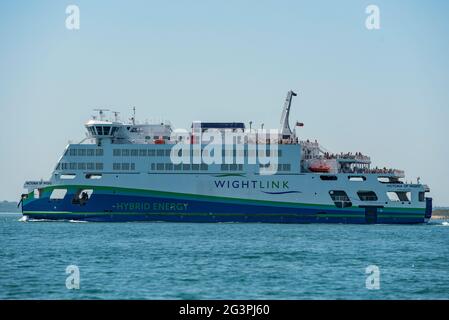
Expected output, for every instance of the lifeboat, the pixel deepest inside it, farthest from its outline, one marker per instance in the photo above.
(159, 141)
(321, 167)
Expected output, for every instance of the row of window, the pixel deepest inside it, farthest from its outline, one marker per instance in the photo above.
(141, 152)
(391, 180)
(90, 152)
(166, 153)
(123, 166)
(204, 167)
(85, 152)
(80, 166)
(342, 200)
(179, 167)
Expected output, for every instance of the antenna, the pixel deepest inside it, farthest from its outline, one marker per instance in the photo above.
(133, 118)
(116, 113)
(101, 112)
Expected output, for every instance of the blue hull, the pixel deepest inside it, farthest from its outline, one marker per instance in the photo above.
(127, 208)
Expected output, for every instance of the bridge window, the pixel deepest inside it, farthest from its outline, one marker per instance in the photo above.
(100, 130)
(367, 195)
(91, 131)
(113, 130)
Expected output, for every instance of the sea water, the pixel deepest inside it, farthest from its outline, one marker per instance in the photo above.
(222, 261)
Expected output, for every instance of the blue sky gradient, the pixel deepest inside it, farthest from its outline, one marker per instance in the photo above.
(384, 93)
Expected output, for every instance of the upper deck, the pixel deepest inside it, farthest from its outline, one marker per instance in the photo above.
(235, 137)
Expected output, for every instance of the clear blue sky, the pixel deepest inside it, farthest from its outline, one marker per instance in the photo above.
(384, 92)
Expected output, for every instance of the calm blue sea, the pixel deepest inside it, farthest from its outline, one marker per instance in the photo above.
(221, 261)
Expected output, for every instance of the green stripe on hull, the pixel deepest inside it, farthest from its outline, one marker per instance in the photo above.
(330, 215)
(285, 215)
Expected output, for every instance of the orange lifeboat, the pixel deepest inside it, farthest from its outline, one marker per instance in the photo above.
(321, 167)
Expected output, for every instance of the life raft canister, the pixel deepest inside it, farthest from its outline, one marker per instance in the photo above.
(159, 141)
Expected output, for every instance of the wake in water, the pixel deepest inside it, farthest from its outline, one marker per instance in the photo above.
(28, 219)
(442, 223)
(23, 219)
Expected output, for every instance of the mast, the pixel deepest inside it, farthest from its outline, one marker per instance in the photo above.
(286, 132)
(133, 119)
(101, 113)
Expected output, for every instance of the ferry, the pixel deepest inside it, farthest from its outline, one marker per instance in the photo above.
(218, 172)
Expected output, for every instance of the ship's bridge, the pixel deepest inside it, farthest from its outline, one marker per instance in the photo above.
(102, 129)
